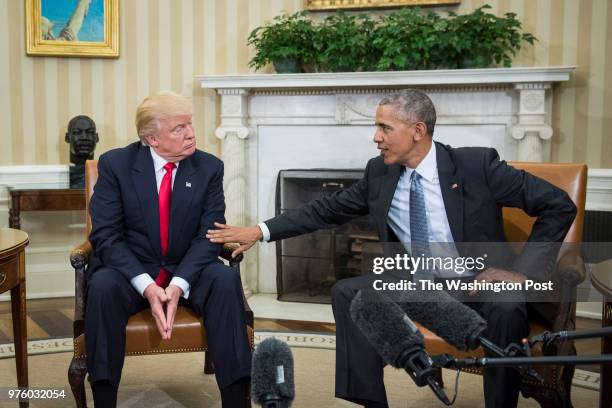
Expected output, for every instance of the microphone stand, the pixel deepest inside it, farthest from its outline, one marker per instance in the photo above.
(448, 361)
(420, 365)
(548, 338)
(519, 356)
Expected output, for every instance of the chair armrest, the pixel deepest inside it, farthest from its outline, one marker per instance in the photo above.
(226, 253)
(79, 258)
(570, 269)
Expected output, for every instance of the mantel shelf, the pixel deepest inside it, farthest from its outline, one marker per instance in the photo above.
(490, 76)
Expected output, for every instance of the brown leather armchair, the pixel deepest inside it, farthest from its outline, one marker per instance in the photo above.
(555, 391)
(142, 336)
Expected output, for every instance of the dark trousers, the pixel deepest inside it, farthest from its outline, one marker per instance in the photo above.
(359, 368)
(216, 296)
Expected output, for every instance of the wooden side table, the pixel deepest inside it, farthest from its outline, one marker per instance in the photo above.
(601, 278)
(12, 276)
(43, 199)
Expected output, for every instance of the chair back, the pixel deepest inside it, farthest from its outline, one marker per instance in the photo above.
(569, 177)
(91, 176)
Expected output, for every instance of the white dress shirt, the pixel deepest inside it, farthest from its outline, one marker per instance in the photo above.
(143, 280)
(399, 212)
(440, 236)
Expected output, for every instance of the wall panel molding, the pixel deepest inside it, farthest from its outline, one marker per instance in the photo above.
(52, 234)
(599, 190)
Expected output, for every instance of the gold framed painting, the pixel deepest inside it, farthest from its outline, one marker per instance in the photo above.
(72, 28)
(315, 5)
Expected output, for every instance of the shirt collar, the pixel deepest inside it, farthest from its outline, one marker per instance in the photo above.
(158, 161)
(428, 167)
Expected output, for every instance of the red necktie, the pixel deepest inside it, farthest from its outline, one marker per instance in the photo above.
(165, 198)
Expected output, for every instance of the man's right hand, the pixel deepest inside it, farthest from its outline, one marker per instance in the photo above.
(157, 298)
(245, 236)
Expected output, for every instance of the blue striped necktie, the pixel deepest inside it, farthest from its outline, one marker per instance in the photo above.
(419, 236)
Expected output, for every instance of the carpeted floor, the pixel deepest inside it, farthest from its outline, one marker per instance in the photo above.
(176, 380)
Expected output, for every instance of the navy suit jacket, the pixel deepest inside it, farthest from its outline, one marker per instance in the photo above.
(125, 214)
(475, 186)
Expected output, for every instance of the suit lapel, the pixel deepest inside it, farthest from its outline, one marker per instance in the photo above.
(143, 176)
(182, 194)
(388, 184)
(451, 186)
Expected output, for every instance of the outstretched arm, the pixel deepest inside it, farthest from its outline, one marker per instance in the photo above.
(326, 212)
(245, 236)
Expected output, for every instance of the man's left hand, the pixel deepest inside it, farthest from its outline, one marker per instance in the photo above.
(173, 293)
(500, 275)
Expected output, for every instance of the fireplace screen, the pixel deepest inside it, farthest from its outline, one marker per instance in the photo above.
(309, 265)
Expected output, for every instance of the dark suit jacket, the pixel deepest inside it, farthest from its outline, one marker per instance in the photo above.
(125, 214)
(484, 185)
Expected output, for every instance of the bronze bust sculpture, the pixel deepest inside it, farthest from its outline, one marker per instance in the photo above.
(82, 136)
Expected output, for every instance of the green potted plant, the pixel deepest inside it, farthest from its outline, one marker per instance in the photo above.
(344, 43)
(407, 39)
(481, 39)
(287, 42)
(412, 39)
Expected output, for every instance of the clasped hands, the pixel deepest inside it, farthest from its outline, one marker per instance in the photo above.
(159, 298)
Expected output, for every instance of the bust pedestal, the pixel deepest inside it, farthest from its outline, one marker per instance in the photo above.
(77, 176)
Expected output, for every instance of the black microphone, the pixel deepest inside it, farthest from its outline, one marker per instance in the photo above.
(396, 339)
(456, 323)
(444, 315)
(272, 383)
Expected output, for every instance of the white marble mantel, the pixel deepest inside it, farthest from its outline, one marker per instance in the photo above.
(489, 76)
(317, 118)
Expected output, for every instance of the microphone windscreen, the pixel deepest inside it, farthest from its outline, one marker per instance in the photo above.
(385, 326)
(455, 322)
(272, 371)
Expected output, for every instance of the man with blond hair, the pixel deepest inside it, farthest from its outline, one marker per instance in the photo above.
(152, 203)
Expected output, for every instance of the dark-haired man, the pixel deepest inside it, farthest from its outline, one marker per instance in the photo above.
(419, 190)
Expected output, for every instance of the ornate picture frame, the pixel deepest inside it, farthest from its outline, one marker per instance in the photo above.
(72, 28)
(320, 5)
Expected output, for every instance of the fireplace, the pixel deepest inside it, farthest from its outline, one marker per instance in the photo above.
(308, 265)
(326, 120)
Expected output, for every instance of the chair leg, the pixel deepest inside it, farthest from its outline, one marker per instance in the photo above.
(547, 398)
(552, 398)
(76, 377)
(566, 378)
(209, 367)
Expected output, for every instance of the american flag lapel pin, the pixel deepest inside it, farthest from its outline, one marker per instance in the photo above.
(188, 184)
(454, 186)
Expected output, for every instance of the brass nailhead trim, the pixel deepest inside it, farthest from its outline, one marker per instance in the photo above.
(250, 332)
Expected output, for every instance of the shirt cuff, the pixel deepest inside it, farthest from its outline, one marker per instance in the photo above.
(141, 282)
(264, 231)
(181, 283)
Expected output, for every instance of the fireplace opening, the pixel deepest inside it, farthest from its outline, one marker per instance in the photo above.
(310, 264)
